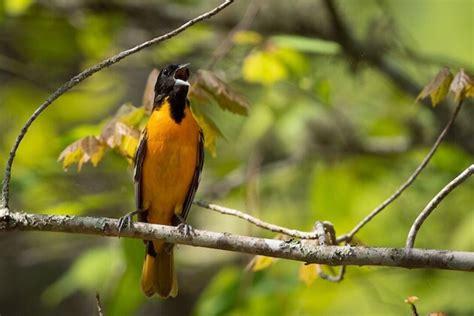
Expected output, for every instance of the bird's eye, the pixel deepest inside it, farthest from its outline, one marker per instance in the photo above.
(166, 72)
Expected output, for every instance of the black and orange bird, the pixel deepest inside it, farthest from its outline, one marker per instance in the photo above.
(168, 164)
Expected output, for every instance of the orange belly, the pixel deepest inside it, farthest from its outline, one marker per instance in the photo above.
(169, 164)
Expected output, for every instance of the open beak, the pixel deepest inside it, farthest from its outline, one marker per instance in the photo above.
(181, 76)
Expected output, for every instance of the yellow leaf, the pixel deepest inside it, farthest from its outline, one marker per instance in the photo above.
(247, 37)
(71, 155)
(308, 273)
(89, 148)
(262, 262)
(462, 86)
(128, 146)
(209, 129)
(97, 156)
(263, 67)
(438, 87)
(292, 59)
(411, 300)
(17, 7)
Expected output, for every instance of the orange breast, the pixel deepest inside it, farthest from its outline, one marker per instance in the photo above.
(169, 163)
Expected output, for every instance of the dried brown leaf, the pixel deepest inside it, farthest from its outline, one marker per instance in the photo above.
(125, 122)
(226, 97)
(438, 87)
(122, 137)
(89, 148)
(149, 94)
(462, 86)
(411, 300)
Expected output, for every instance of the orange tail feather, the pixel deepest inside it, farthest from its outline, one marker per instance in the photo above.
(158, 274)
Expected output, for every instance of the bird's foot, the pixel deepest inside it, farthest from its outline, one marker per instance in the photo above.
(126, 221)
(185, 228)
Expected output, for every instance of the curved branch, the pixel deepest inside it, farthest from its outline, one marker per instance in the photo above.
(85, 74)
(434, 203)
(257, 222)
(332, 278)
(294, 250)
(408, 182)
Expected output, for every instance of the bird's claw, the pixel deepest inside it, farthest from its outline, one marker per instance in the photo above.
(126, 221)
(186, 229)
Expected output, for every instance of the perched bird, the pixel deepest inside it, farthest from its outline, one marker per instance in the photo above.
(168, 164)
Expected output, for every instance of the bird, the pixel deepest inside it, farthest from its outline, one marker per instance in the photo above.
(167, 169)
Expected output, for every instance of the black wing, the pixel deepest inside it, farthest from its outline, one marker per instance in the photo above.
(195, 181)
(137, 175)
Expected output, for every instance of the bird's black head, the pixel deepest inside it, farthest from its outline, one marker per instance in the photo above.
(173, 83)
(172, 79)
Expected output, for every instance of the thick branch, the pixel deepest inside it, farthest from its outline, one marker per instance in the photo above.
(408, 182)
(85, 74)
(294, 250)
(434, 203)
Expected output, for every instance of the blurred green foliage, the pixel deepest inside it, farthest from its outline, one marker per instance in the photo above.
(301, 155)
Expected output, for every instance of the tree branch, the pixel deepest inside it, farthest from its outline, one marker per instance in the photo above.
(294, 250)
(408, 182)
(434, 203)
(257, 222)
(85, 74)
(99, 304)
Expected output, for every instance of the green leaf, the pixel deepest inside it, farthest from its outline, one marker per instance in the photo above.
(306, 44)
(293, 60)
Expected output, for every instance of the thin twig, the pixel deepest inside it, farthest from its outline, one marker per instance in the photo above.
(394, 196)
(257, 222)
(289, 249)
(413, 310)
(331, 278)
(434, 203)
(99, 304)
(85, 74)
(340, 30)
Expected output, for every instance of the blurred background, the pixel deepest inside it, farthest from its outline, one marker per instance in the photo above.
(332, 130)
